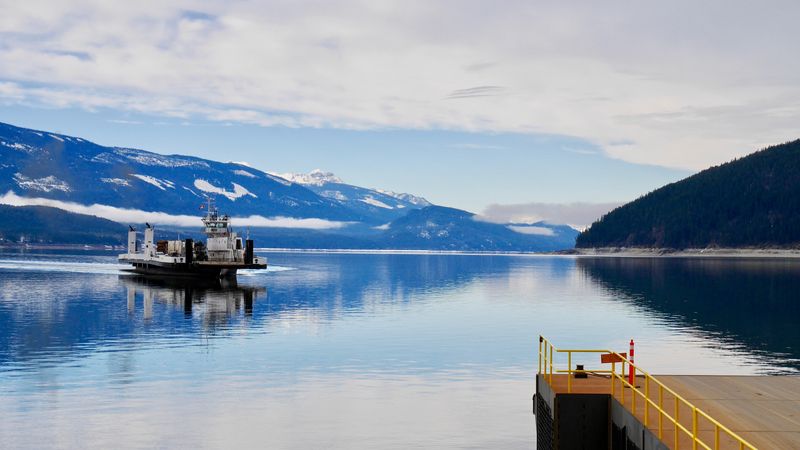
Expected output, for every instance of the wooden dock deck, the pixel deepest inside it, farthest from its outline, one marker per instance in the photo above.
(764, 410)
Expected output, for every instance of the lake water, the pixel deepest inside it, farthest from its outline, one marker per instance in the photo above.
(357, 350)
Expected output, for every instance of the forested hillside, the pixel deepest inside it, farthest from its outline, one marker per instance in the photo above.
(751, 201)
(43, 225)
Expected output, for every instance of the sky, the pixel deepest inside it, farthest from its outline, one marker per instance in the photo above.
(515, 110)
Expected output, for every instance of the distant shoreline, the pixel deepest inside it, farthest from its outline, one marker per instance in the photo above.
(15, 246)
(605, 252)
(630, 252)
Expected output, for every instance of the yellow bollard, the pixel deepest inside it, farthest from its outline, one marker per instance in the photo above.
(540, 355)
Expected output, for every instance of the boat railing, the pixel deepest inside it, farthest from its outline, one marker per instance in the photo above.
(620, 380)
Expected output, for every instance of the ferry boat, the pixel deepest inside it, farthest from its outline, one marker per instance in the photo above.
(223, 253)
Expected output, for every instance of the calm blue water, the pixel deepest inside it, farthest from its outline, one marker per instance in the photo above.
(356, 351)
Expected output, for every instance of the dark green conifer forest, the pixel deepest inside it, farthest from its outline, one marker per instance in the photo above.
(752, 201)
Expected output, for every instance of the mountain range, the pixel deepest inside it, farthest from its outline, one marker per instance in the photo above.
(373, 203)
(287, 210)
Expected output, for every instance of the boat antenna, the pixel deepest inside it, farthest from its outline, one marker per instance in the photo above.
(210, 210)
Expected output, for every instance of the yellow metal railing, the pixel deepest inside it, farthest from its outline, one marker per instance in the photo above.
(547, 353)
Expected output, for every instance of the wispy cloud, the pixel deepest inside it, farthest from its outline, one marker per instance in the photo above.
(355, 65)
(197, 15)
(125, 122)
(578, 215)
(579, 150)
(477, 67)
(84, 56)
(478, 91)
(538, 231)
(126, 215)
(476, 146)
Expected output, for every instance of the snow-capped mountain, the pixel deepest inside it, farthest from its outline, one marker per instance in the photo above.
(38, 164)
(70, 173)
(382, 204)
(314, 178)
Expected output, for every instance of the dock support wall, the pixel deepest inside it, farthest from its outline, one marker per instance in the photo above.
(584, 421)
(543, 405)
(630, 433)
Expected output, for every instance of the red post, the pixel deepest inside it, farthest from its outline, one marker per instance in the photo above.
(631, 370)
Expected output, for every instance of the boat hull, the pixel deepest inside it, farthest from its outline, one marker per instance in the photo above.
(204, 269)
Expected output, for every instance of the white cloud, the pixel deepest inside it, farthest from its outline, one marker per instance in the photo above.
(472, 146)
(124, 122)
(577, 215)
(127, 215)
(682, 83)
(539, 231)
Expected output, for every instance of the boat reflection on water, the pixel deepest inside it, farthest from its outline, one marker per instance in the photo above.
(212, 299)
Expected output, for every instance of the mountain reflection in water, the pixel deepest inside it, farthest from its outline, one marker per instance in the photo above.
(749, 302)
(355, 350)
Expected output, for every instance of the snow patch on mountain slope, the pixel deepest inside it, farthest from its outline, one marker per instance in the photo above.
(193, 192)
(56, 137)
(371, 201)
(44, 184)
(238, 190)
(336, 195)
(244, 173)
(117, 181)
(18, 146)
(278, 179)
(152, 159)
(161, 184)
(105, 158)
(408, 198)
